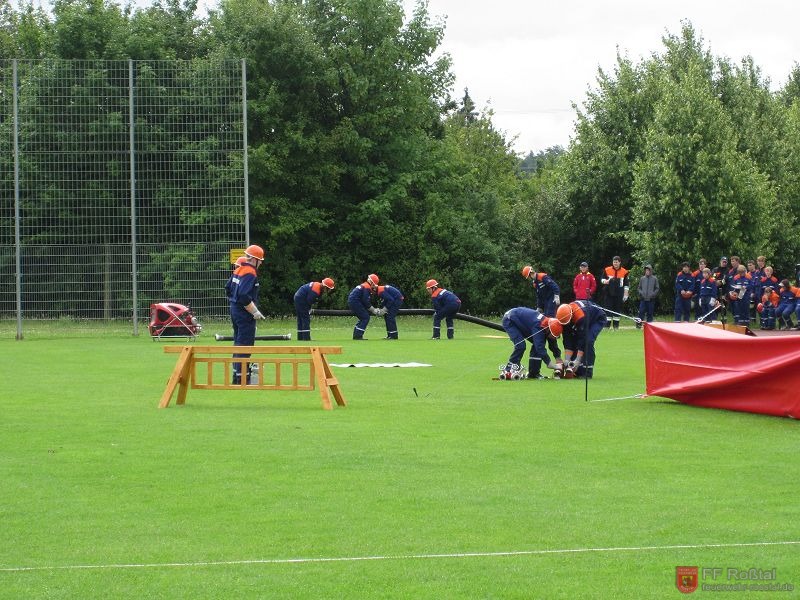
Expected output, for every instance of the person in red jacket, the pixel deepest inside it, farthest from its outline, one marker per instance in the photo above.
(584, 285)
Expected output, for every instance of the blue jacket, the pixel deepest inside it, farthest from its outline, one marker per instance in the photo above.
(546, 288)
(707, 288)
(242, 287)
(361, 295)
(308, 294)
(684, 282)
(445, 302)
(391, 296)
(529, 322)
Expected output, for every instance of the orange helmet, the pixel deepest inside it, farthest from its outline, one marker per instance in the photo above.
(241, 260)
(328, 283)
(254, 251)
(564, 314)
(373, 280)
(526, 271)
(553, 325)
(431, 283)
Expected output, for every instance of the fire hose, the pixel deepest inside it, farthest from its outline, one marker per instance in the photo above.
(410, 311)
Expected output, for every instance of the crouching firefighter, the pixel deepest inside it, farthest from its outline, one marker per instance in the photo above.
(306, 295)
(360, 302)
(445, 306)
(526, 324)
(242, 291)
(583, 321)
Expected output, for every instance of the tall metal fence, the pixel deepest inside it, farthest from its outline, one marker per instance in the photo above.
(122, 183)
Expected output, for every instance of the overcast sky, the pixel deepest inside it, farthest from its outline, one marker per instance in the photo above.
(529, 60)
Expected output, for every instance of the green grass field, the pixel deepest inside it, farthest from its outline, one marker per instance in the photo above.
(468, 488)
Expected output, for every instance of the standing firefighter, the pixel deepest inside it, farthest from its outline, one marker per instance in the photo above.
(583, 322)
(306, 295)
(548, 297)
(445, 305)
(360, 302)
(242, 290)
(615, 280)
(526, 324)
(391, 300)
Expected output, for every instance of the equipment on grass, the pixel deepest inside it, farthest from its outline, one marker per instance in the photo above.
(511, 372)
(259, 338)
(172, 320)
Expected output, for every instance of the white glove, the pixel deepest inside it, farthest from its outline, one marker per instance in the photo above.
(604, 281)
(373, 310)
(625, 297)
(384, 310)
(557, 299)
(257, 315)
(712, 302)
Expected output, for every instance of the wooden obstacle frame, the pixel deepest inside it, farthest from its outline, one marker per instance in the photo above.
(186, 375)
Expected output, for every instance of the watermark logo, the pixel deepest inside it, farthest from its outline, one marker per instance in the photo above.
(686, 579)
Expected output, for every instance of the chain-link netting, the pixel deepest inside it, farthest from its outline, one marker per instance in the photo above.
(99, 189)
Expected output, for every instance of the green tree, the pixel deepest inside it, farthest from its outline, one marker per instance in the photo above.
(694, 191)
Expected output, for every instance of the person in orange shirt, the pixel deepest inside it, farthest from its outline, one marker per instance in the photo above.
(615, 282)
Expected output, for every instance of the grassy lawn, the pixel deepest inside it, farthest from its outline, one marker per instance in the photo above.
(464, 488)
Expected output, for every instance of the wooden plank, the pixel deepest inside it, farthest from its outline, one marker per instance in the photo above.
(179, 372)
(319, 374)
(256, 349)
(333, 382)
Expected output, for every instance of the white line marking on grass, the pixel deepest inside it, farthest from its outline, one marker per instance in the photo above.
(286, 561)
(620, 398)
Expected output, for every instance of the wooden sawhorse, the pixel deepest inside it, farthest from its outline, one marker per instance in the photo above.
(185, 374)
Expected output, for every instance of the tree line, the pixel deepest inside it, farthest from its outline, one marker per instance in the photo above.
(362, 157)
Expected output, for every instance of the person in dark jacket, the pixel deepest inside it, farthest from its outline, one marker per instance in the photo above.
(360, 302)
(305, 296)
(648, 292)
(242, 291)
(526, 324)
(583, 321)
(616, 288)
(445, 305)
(391, 300)
(684, 292)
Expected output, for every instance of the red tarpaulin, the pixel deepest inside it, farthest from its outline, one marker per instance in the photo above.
(704, 366)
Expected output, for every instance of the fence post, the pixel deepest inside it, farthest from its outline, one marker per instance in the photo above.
(244, 157)
(132, 155)
(17, 238)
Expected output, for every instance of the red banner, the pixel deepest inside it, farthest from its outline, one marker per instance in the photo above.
(704, 366)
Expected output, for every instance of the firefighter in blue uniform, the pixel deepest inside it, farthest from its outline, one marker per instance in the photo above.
(548, 297)
(523, 324)
(360, 302)
(685, 283)
(229, 286)
(305, 296)
(583, 321)
(242, 291)
(391, 300)
(706, 296)
(445, 305)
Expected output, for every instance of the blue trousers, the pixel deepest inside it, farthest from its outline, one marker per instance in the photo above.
(244, 334)
(363, 320)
